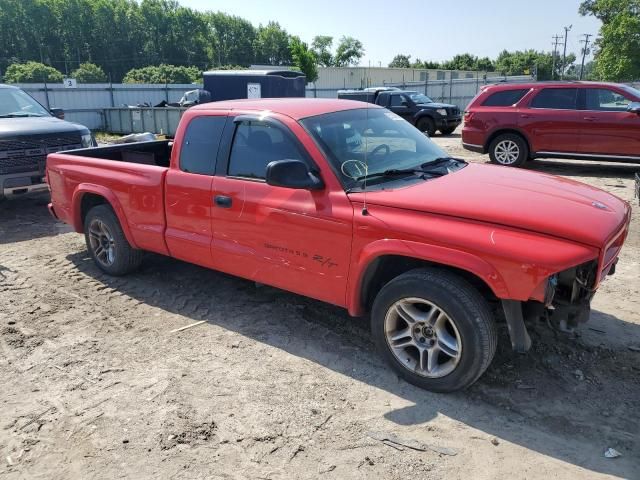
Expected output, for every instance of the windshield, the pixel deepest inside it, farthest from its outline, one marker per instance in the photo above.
(16, 103)
(366, 142)
(420, 98)
(633, 91)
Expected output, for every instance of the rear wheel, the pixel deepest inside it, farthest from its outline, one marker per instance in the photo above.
(447, 131)
(509, 150)
(107, 243)
(434, 329)
(425, 124)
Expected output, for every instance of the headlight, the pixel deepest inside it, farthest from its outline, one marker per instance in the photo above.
(442, 112)
(87, 140)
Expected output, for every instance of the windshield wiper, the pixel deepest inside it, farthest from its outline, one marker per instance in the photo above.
(20, 115)
(438, 162)
(394, 172)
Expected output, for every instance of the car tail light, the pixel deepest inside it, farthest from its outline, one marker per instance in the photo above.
(468, 116)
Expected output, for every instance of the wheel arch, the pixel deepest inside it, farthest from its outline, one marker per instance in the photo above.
(503, 131)
(87, 196)
(381, 267)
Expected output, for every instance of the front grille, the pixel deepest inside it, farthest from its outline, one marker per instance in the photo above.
(28, 153)
(454, 111)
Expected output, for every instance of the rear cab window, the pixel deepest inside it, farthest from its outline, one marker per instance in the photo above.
(556, 99)
(200, 144)
(505, 98)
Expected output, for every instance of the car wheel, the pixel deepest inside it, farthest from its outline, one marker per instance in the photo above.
(447, 131)
(425, 124)
(434, 329)
(107, 243)
(509, 150)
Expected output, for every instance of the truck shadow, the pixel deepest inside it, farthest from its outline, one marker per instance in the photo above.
(27, 218)
(564, 399)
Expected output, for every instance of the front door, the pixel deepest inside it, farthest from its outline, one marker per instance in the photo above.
(400, 104)
(608, 128)
(298, 240)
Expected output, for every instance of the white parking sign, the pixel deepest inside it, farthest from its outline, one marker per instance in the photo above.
(70, 83)
(254, 90)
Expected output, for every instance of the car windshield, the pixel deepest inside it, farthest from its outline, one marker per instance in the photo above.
(16, 103)
(633, 91)
(377, 145)
(420, 98)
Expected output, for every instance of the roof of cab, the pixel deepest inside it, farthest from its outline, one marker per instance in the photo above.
(548, 83)
(296, 108)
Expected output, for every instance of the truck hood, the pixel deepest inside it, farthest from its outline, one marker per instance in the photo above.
(435, 105)
(15, 127)
(516, 198)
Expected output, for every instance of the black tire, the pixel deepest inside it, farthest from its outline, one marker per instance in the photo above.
(467, 315)
(101, 226)
(509, 149)
(427, 125)
(447, 131)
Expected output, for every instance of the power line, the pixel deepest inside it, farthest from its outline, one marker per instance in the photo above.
(585, 51)
(564, 53)
(556, 42)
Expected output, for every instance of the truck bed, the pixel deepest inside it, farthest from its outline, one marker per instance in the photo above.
(156, 153)
(129, 176)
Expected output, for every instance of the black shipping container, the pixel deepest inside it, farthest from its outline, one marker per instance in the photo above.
(234, 84)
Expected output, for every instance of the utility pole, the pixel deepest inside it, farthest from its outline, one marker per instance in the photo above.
(585, 51)
(564, 53)
(556, 42)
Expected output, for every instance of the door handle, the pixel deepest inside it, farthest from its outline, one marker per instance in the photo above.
(222, 201)
(590, 119)
(524, 115)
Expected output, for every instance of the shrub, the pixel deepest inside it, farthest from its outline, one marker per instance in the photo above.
(89, 73)
(32, 72)
(163, 74)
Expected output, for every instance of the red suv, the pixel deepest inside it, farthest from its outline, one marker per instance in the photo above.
(580, 120)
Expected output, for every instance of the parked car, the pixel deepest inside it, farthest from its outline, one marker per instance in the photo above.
(418, 109)
(577, 120)
(28, 132)
(277, 192)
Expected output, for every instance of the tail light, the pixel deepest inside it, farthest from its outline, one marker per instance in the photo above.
(468, 116)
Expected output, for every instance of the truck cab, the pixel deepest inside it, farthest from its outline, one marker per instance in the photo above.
(28, 133)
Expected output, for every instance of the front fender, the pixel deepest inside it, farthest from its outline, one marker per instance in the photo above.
(76, 210)
(421, 251)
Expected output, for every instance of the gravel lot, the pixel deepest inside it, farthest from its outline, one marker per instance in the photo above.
(277, 386)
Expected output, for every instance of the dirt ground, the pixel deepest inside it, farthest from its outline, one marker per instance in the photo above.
(94, 383)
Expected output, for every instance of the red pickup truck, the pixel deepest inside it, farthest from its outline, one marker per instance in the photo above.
(351, 205)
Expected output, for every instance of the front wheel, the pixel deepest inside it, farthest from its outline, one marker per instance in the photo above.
(434, 329)
(509, 150)
(107, 243)
(427, 126)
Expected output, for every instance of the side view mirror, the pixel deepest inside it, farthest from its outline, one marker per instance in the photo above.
(292, 174)
(634, 107)
(58, 113)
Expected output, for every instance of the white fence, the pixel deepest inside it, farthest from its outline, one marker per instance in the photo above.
(86, 103)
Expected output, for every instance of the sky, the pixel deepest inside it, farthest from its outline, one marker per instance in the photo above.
(428, 29)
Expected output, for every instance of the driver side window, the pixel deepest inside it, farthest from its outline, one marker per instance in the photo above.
(396, 100)
(255, 145)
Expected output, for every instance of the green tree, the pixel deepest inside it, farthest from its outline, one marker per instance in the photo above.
(32, 72)
(233, 39)
(272, 45)
(321, 46)
(427, 64)
(618, 47)
(464, 61)
(529, 62)
(163, 74)
(401, 61)
(304, 59)
(348, 52)
(89, 73)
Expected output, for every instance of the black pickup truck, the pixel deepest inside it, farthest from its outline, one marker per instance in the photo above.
(28, 132)
(418, 109)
